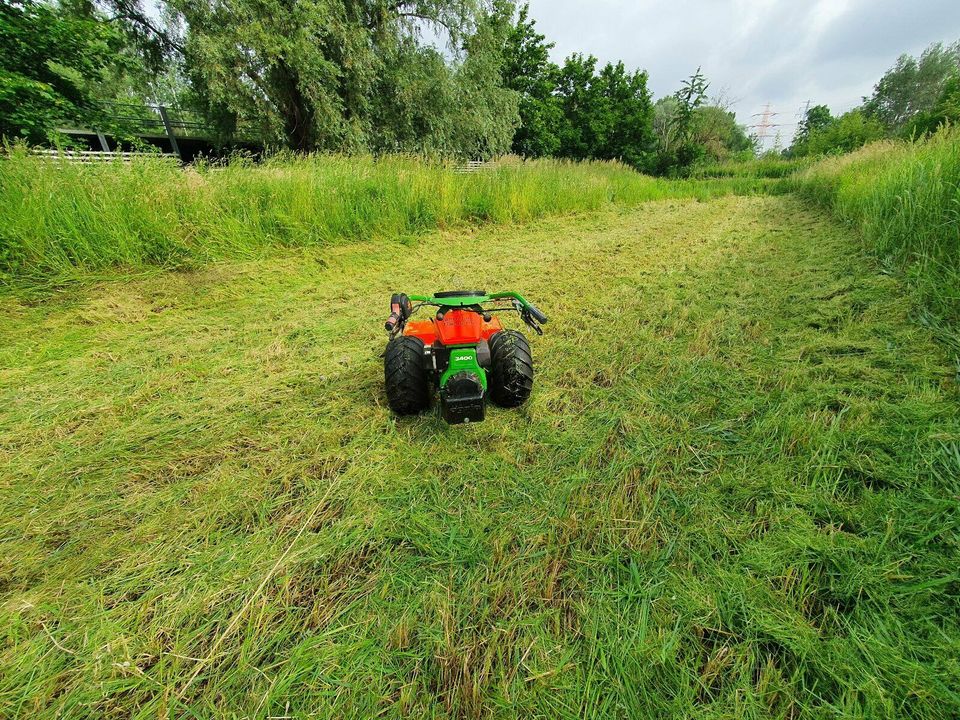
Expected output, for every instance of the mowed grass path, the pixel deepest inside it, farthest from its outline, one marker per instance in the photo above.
(734, 492)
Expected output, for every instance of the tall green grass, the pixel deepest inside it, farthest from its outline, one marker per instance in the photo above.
(762, 167)
(905, 200)
(58, 219)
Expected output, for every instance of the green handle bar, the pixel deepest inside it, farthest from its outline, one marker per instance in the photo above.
(466, 301)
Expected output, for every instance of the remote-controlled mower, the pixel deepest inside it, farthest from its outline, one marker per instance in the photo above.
(464, 351)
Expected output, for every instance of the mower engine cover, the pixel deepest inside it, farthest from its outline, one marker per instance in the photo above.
(463, 387)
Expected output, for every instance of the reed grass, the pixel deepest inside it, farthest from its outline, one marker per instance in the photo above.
(904, 199)
(766, 166)
(60, 220)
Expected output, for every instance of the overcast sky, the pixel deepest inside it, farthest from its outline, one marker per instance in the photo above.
(784, 52)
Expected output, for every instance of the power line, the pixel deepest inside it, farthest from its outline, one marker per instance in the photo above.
(765, 124)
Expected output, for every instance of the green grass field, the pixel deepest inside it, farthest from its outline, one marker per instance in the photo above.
(734, 492)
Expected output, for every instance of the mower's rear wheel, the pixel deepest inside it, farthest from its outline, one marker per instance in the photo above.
(511, 369)
(406, 379)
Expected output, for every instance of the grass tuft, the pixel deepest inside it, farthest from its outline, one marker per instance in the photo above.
(768, 166)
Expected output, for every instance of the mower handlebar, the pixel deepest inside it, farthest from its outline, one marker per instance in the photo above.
(535, 313)
(528, 307)
(401, 308)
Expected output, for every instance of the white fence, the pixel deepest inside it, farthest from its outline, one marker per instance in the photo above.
(94, 156)
(474, 166)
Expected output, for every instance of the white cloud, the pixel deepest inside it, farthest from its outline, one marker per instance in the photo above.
(784, 52)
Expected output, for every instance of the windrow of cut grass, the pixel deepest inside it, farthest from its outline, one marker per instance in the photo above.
(59, 219)
(904, 198)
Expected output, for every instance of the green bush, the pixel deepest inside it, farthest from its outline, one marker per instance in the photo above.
(848, 132)
(945, 112)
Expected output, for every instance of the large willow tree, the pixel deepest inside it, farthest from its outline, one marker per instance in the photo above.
(349, 75)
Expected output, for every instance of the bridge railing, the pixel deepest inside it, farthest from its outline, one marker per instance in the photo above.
(91, 156)
(159, 121)
(157, 117)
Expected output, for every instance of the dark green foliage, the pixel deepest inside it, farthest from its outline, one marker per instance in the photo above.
(578, 110)
(689, 131)
(357, 76)
(50, 63)
(717, 131)
(815, 120)
(527, 70)
(350, 76)
(913, 85)
(848, 132)
(689, 97)
(946, 111)
(578, 96)
(605, 114)
(820, 134)
(336, 74)
(155, 40)
(915, 97)
(625, 117)
(482, 114)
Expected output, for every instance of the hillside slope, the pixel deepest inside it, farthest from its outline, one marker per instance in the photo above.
(733, 493)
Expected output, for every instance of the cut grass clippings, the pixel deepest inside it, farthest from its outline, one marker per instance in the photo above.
(733, 493)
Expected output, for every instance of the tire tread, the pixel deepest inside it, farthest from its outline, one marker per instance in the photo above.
(511, 369)
(405, 377)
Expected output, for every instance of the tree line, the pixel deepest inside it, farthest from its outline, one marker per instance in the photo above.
(452, 78)
(914, 98)
(467, 78)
